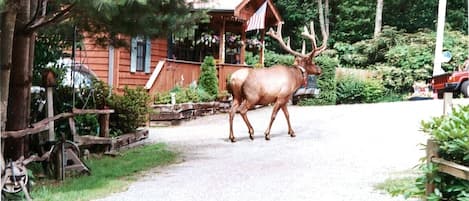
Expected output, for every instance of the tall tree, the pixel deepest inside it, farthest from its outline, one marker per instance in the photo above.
(379, 18)
(104, 20)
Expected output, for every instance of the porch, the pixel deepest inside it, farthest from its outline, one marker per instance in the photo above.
(170, 73)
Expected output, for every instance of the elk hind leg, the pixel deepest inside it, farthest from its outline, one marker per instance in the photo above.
(243, 111)
(287, 117)
(272, 118)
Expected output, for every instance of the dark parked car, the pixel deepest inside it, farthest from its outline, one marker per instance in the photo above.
(311, 90)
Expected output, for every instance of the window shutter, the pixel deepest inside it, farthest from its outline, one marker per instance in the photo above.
(148, 55)
(133, 55)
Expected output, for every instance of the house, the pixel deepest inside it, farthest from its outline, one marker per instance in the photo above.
(160, 64)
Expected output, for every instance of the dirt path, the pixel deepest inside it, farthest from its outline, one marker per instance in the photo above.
(340, 153)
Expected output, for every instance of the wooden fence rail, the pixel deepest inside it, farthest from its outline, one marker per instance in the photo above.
(43, 125)
(448, 167)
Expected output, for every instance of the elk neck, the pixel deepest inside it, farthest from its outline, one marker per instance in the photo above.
(304, 75)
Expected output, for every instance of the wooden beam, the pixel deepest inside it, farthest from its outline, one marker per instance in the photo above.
(43, 124)
(452, 168)
(221, 53)
(432, 152)
(242, 56)
(92, 111)
(261, 51)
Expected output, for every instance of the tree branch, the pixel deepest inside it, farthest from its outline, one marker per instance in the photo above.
(55, 18)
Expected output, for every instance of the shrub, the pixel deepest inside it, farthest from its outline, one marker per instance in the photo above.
(271, 58)
(208, 80)
(131, 110)
(326, 82)
(450, 132)
(351, 89)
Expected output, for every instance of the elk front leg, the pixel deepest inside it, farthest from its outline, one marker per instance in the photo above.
(272, 118)
(243, 111)
(287, 116)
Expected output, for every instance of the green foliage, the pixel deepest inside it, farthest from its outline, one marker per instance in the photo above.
(131, 110)
(326, 82)
(208, 79)
(351, 89)
(353, 20)
(271, 58)
(153, 18)
(110, 174)
(450, 132)
(87, 124)
(400, 58)
(184, 95)
(48, 49)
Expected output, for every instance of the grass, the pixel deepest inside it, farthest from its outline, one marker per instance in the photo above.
(400, 184)
(108, 175)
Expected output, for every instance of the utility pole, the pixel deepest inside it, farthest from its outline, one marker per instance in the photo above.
(437, 70)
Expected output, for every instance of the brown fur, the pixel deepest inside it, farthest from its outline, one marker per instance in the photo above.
(251, 87)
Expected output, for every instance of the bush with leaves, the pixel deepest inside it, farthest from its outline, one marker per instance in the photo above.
(271, 58)
(183, 95)
(351, 89)
(130, 110)
(208, 79)
(450, 133)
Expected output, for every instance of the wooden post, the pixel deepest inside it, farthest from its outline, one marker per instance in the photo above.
(221, 53)
(242, 55)
(104, 125)
(447, 103)
(261, 52)
(50, 112)
(432, 152)
(48, 81)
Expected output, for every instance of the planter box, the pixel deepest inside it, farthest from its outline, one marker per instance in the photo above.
(167, 114)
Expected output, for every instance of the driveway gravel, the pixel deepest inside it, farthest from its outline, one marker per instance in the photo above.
(340, 154)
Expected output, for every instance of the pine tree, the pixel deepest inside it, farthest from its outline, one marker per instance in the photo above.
(208, 80)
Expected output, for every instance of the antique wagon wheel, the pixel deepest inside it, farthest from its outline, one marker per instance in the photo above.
(58, 158)
(15, 179)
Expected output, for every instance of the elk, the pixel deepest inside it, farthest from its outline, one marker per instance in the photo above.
(251, 87)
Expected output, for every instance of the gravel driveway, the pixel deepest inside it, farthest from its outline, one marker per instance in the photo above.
(340, 154)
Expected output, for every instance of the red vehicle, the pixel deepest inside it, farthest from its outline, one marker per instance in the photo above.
(456, 82)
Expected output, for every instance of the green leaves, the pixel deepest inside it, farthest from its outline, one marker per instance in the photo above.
(351, 89)
(208, 79)
(131, 110)
(452, 135)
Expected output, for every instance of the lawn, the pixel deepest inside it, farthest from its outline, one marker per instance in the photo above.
(108, 175)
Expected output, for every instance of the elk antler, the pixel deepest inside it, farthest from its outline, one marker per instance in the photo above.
(277, 35)
(312, 36)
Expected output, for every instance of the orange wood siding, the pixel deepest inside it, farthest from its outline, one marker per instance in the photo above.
(95, 57)
(138, 79)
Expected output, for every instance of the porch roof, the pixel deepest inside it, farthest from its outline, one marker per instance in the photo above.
(213, 5)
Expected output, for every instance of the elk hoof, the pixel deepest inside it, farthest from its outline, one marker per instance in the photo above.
(267, 137)
(251, 136)
(292, 135)
(233, 140)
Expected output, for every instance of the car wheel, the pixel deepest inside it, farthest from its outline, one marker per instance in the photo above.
(440, 93)
(465, 89)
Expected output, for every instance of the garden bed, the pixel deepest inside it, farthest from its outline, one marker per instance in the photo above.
(169, 114)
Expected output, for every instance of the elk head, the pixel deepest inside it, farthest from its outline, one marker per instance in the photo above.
(302, 60)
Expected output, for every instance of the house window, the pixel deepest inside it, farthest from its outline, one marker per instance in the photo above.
(140, 55)
(141, 49)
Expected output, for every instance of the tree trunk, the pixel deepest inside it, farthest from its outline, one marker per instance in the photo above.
(379, 18)
(6, 42)
(20, 83)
